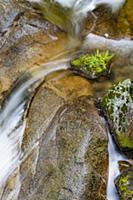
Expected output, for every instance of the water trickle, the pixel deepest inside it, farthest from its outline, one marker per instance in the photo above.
(114, 157)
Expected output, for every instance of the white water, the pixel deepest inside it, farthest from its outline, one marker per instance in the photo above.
(83, 6)
(11, 133)
(114, 157)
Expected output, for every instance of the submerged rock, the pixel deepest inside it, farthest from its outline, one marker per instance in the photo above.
(92, 66)
(124, 184)
(118, 107)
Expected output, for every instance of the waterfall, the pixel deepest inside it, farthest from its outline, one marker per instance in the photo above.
(69, 15)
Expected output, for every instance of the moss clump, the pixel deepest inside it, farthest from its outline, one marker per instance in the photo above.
(93, 65)
(124, 184)
(116, 104)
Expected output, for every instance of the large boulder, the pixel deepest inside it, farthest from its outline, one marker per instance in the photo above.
(64, 146)
(72, 156)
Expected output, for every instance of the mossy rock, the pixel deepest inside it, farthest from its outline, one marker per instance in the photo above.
(124, 184)
(92, 66)
(117, 105)
(125, 19)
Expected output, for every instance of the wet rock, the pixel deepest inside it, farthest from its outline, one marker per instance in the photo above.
(122, 49)
(27, 41)
(112, 25)
(117, 105)
(65, 144)
(124, 184)
(123, 165)
(103, 24)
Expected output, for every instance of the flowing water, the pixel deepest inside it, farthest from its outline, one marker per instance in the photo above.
(114, 157)
(70, 15)
(11, 124)
(11, 132)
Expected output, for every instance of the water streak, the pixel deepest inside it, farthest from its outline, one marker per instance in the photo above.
(114, 157)
(11, 133)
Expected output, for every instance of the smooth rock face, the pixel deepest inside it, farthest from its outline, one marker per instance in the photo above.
(26, 41)
(64, 146)
(124, 184)
(72, 157)
(118, 107)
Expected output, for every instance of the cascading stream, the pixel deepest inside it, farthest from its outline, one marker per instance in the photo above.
(70, 15)
(11, 132)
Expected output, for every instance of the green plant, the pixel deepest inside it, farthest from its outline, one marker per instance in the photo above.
(95, 63)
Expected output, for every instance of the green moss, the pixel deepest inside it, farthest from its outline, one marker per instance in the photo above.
(122, 183)
(94, 64)
(115, 104)
(124, 141)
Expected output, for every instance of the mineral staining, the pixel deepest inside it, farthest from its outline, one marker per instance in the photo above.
(93, 66)
(117, 104)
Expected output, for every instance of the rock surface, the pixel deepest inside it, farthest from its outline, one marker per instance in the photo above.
(65, 144)
(71, 145)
